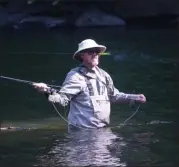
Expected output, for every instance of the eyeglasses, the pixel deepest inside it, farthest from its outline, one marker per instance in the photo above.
(92, 51)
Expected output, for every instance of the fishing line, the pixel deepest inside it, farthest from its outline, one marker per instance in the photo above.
(65, 119)
(47, 53)
(31, 83)
(122, 124)
(129, 118)
(132, 115)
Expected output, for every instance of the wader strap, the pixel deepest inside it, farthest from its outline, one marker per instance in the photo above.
(107, 84)
(89, 85)
(90, 88)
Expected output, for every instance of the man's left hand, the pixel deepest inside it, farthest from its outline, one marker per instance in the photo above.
(141, 98)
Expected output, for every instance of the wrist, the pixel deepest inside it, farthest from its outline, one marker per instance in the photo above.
(132, 97)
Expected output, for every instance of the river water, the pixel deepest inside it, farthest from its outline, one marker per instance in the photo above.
(141, 60)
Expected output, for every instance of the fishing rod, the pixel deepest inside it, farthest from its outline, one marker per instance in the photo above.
(18, 80)
(25, 81)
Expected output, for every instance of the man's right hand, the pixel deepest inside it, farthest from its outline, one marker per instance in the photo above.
(41, 87)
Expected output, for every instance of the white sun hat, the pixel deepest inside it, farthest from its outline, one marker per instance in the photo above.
(87, 44)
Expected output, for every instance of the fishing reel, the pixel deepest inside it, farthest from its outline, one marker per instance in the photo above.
(50, 91)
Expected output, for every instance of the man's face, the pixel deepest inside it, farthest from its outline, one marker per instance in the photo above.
(91, 57)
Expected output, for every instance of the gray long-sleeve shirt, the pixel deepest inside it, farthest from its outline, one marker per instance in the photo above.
(90, 93)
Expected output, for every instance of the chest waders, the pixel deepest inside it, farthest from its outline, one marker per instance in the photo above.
(90, 87)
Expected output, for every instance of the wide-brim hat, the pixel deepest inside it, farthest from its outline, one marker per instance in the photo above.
(87, 44)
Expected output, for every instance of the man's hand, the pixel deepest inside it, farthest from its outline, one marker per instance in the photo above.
(141, 98)
(41, 87)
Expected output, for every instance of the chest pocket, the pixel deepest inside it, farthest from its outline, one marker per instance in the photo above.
(101, 107)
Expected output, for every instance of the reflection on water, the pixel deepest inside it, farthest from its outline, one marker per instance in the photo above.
(150, 144)
(125, 146)
(81, 148)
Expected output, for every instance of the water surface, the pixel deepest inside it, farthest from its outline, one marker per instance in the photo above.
(141, 61)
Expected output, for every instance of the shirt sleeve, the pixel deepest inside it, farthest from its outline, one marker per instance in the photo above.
(115, 96)
(72, 85)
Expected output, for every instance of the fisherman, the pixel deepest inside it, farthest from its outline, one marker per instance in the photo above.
(88, 89)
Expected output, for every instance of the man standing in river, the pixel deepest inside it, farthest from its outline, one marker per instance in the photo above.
(88, 89)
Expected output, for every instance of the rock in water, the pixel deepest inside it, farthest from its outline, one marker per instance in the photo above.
(95, 17)
(48, 22)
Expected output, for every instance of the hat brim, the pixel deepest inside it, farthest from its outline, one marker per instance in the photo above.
(77, 55)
